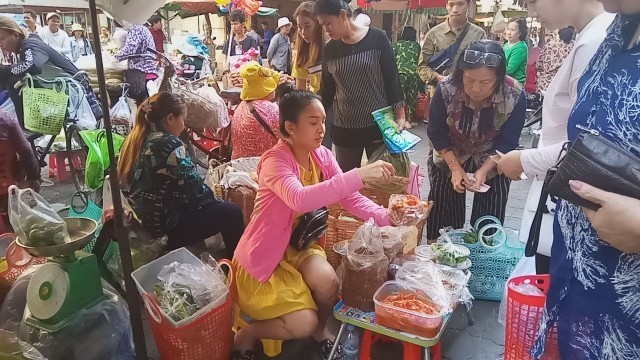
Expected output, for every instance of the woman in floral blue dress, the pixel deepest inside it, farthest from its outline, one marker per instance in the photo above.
(594, 297)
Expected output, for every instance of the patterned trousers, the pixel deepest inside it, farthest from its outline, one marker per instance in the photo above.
(410, 84)
(449, 208)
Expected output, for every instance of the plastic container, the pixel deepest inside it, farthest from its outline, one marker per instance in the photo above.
(524, 313)
(425, 253)
(427, 326)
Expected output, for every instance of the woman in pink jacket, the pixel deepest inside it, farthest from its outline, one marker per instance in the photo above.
(289, 294)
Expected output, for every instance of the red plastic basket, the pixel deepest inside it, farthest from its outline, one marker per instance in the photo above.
(209, 337)
(18, 260)
(524, 313)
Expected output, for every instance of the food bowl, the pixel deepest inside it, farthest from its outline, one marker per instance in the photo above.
(81, 231)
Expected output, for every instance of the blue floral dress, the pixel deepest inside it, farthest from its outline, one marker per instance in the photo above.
(594, 296)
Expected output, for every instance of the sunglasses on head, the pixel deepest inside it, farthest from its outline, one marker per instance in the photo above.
(481, 58)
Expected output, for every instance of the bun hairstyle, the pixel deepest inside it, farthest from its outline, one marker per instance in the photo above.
(522, 28)
(333, 7)
(292, 102)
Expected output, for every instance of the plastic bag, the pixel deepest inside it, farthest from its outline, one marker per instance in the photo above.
(121, 115)
(499, 23)
(107, 321)
(98, 156)
(426, 277)
(448, 253)
(391, 242)
(107, 203)
(184, 289)
(11, 345)
(526, 266)
(33, 219)
(407, 210)
(402, 165)
(396, 141)
(416, 178)
(366, 267)
(202, 113)
(222, 119)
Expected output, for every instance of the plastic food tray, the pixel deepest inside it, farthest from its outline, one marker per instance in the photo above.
(402, 319)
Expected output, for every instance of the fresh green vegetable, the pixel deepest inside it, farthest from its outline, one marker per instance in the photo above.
(471, 237)
(450, 254)
(177, 302)
(401, 163)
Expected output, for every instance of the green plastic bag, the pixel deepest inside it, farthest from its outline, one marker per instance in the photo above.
(98, 158)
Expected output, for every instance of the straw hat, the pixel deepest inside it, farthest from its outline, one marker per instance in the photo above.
(257, 81)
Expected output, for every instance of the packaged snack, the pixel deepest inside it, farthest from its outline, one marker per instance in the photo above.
(407, 210)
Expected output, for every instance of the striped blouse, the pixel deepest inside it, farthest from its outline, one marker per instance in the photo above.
(357, 80)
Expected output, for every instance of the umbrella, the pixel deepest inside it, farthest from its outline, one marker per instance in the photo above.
(192, 7)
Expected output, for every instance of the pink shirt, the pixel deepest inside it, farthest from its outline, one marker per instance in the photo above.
(281, 196)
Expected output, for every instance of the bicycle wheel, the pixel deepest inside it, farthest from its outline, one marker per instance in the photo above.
(77, 152)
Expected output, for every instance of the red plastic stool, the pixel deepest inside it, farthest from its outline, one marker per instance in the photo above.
(58, 164)
(411, 351)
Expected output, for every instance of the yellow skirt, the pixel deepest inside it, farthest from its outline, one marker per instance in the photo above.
(284, 292)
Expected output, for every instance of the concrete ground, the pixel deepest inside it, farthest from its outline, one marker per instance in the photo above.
(482, 341)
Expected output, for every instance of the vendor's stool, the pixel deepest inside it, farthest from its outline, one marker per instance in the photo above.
(410, 351)
(271, 348)
(58, 164)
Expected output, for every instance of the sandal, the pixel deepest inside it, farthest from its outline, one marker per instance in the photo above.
(247, 355)
(325, 350)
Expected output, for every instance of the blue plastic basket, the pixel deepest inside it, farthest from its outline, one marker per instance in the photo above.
(491, 265)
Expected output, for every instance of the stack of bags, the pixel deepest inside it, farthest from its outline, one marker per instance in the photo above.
(113, 70)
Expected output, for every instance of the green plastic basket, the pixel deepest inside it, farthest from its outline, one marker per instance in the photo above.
(44, 109)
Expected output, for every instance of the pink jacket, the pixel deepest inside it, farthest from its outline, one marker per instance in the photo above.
(281, 197)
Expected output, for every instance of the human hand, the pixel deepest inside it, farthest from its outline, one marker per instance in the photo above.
(480, 178)
(510, 165)
(284, 78)
(440, 78)
(377, 172)
(617, 221)
(459, 179)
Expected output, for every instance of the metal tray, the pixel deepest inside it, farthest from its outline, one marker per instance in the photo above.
(81, 231)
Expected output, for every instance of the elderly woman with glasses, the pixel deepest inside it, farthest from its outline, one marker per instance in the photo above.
(475, 113)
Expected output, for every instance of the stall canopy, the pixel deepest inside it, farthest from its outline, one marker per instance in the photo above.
(189, 8)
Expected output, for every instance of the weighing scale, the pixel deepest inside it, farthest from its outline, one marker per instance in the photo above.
(68, 282)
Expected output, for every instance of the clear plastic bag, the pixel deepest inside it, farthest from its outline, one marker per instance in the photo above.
(426, 277)
(121, 115)
(407, 210)
(108, 322)
(33, 219)
(366, 267)
(184, 289)
(448, 253)
(391, 242)
(526, 266)
(11, 345)
(401, 163)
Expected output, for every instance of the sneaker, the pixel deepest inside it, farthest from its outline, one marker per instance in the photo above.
(247, 355)
(325, 350)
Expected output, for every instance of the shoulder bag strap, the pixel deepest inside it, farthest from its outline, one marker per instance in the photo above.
(463, 34)
(261, 121)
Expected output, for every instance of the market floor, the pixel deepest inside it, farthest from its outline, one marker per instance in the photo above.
(482, 341)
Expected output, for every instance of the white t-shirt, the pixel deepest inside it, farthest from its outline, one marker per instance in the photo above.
(59, 41)
(562, 95)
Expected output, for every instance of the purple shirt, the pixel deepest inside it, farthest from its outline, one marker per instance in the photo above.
(135, 50)
(10, 131)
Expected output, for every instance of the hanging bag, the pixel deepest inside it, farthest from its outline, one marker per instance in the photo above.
(443, 60)
(44, 109)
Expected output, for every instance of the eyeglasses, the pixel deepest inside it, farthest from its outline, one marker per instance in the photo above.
(479, 57)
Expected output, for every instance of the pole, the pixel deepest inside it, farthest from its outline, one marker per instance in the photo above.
(120, 233)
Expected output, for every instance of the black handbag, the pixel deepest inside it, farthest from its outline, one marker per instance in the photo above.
(137, 84)
(443, 59)
(312, 226)
(599, 162)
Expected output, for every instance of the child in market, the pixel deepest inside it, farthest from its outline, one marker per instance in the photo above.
(287, 293)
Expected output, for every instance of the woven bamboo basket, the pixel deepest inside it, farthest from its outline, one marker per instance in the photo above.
(243, 196)
(342, 225)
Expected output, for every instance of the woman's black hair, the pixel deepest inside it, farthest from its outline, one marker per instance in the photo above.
(566, 34)
(293, 102)
(283, 89)
(522, 28)
(486, 47)
(333, 7)
(409, 33)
